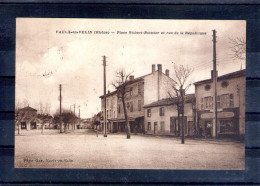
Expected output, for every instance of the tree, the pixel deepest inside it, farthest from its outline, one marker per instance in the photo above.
(19, 117)
(178, 90)
(44, 118)
(68, 117)
(24, 115)
(238, 48)
(120, 84)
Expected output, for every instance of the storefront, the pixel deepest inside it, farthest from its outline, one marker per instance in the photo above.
(227, 125)
(119, 125)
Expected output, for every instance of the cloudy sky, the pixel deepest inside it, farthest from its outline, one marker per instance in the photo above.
(46, 58)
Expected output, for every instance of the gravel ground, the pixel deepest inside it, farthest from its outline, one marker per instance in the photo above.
(82, 149)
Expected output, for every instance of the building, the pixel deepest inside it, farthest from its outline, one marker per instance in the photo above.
(140, 91)
(111, 109)
(161, 117)
(230, 105)
(28, 118)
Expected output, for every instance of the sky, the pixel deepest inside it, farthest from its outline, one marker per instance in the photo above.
(46, 57)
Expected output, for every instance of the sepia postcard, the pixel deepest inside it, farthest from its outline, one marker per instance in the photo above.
(130, 94)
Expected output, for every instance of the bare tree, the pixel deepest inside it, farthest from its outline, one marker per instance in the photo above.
(178, 90)
(120, 84)
(43, 119)
(238, 48)
(68, 117)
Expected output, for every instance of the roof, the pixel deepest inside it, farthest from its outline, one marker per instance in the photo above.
(236, 74)
(108, 94)
(131, 82)
(170, 101)
(27, 109)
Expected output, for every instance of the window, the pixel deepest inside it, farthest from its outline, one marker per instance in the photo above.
(131, 106)
(228, 127)
(224, 101)
(148, 112)
(208, 102)
(231, 103)
(149, 126)
(119, 109)
(218, 102)
(162, 126)
(131, 91)
(139, 88)
(128, 106)
(224, 84)
(155, 127)
(110, 112)
(162, 111)
(201, 103)
(139, 105)
(207, 87)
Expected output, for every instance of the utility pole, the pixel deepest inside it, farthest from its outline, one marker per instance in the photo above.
(60, 110)
(105, 99)
(214, 76)
(79, 116)
(182, 91)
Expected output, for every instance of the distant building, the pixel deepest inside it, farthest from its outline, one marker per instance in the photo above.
(111, 109)
(28, 122)
(230, 105)
(161, 117)
(140, 91)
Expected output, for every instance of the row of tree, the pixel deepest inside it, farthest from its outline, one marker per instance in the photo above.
(63, 121)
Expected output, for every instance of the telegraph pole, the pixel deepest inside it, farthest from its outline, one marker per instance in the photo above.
(60, 109)
(79, 117)
(105, 99)
(214, 75)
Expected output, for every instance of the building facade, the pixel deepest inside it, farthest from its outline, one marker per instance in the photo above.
(28, 121)
(230, 105)
(111, 110)
(140, 91)
(161, 117)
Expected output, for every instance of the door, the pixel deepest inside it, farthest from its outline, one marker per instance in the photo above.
(155, 127)
(208, 129)
(23, 125)
(190, 128)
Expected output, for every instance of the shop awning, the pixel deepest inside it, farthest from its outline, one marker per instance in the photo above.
(220, 115)
(123, 119)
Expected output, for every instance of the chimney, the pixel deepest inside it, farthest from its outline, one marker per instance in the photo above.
(159, 67)
(212, 74)
(132, 78)
(167, 72)
(153, 68)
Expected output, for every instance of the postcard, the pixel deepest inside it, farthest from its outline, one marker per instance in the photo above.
(130, 94)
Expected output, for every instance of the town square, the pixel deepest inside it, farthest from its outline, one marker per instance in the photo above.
(151, 100)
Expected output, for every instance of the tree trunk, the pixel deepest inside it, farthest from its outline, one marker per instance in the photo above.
(179, 127)
(18, 127)
(42, 127)
(60, 127)
(128, 136)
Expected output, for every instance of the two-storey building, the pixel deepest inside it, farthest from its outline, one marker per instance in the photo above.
(161, 117)
(111, 109)
(140, 91)
(230, 105)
